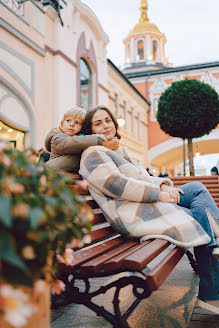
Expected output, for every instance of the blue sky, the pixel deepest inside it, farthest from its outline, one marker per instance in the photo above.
(191, 27)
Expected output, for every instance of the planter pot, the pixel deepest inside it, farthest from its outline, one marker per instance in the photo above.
(41, 319)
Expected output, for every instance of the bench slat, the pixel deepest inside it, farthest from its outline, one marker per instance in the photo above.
(98, 218)
(84, 255)
(93, 266)
(117, 261)
(102, 233)
(159, 273)
(139, 259)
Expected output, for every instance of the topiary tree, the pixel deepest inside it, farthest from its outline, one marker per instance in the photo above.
(188, 109)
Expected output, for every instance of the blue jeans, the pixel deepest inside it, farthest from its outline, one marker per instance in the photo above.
(195, 201)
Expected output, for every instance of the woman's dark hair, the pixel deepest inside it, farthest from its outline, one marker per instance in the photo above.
(87, 124)
(214, 169)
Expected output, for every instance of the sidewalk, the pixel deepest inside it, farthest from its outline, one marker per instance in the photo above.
(172, 306)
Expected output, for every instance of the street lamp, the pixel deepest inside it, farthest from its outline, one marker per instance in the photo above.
(121, 121)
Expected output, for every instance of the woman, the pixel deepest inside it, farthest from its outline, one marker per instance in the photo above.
(139, 205)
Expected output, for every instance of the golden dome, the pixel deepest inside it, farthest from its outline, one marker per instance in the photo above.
(144, 27)
(144, 24)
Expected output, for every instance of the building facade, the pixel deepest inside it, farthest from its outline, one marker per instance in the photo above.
(46, 68)
(151, 74)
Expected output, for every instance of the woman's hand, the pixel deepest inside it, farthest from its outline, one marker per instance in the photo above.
(112, 144)
(174, 192)
(166, 197)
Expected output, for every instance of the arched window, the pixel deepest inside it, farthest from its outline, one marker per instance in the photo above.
(140, 48)
(85, 84)
(155, 49)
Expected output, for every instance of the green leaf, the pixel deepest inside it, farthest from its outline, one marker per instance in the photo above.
(8, 253)
(5, 213)
(35, 215)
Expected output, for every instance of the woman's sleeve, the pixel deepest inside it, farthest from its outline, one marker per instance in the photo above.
(63, 144)
(155, 180)
(104, 175)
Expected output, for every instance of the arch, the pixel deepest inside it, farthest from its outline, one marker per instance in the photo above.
(13, 93)
(89, 56)
(140, 49)
(207, 144)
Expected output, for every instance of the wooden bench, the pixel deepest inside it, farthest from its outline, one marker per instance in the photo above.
(109, 254)
(210, 182)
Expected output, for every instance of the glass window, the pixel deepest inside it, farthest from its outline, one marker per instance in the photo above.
(13, 136)
(85, 84)
(155, 49)
(140, 47)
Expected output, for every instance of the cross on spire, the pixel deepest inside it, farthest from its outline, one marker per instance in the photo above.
(143, 9)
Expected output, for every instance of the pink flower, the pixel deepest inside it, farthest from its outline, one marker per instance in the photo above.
(58, 287)
(21, 209)
(28, 253)
(40, 168)
(43, 180)
(3, 146)
(87, 239)
(16, 306)
(40, 286)
(67, 258)
(9, 185)
(6, 161)
(75, 243)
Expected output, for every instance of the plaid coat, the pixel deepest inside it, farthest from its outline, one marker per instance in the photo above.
(128, 197)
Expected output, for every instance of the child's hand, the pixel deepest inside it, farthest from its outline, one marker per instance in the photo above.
(111, 144)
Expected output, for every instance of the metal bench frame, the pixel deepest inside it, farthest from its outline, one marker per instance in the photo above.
(109, 254)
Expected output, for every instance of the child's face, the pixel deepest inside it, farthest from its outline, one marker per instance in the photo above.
(71, 125)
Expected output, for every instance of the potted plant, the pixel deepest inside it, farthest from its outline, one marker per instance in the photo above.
(41, 215)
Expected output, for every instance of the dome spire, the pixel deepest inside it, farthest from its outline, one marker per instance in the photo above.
(143, 9)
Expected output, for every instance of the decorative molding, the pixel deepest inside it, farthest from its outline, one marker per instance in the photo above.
(28, 88)
(22, 37)
(16, 14)
(26, 106)
(102, 87)
(61, 54)
(207, 77)
(112, 98)
(91, 19)
(155, 91)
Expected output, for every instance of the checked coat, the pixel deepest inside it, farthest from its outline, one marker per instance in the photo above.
(128, 197)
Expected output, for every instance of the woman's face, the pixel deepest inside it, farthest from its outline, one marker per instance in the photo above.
(103, 124)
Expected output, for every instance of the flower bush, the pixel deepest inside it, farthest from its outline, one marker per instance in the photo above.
(41, 219)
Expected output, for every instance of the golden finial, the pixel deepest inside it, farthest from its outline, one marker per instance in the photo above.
(143, 9)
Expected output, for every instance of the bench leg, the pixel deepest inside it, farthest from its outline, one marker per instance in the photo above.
(192, 261)
(117, 320)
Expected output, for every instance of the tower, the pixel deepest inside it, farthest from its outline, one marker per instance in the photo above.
(145, 44)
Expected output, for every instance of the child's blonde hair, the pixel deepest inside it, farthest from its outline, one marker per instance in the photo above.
(75, 112)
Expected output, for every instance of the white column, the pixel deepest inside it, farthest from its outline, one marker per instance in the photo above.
(132, 51)
(148, 48)
(161, 51)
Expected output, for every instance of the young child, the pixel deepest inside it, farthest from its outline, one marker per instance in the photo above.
(66, 144)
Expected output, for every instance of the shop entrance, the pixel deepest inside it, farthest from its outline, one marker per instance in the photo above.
(14, 136)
